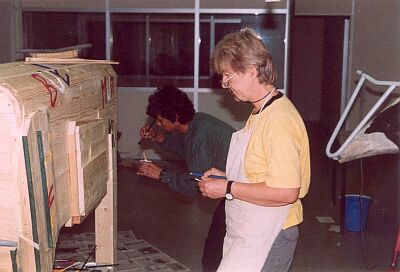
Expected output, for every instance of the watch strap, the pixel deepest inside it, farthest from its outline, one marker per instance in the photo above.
(228, 194)
(162, 176)
(229, 187)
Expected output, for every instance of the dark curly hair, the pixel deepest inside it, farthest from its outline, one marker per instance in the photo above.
(169, 102)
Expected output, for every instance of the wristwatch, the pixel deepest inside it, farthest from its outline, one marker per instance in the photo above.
(162, 176)
(228, 194)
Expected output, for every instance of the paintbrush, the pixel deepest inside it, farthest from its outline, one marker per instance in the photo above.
(145, 158)
(88, 257)
(148, 129)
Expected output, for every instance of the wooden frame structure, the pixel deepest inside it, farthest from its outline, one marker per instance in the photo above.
(57, 159)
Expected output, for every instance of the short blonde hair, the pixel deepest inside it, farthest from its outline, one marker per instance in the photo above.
(241, 49)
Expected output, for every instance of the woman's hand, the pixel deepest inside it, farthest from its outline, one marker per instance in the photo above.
(149, 169)
(214, 171)
(211, 187)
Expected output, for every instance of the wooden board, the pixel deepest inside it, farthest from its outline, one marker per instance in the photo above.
(58, 55)
(88, 153)
(106, 246)
(6, 258)
(66, 60)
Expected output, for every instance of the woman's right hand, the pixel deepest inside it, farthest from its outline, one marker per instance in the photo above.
(210, 187)
(214, 171)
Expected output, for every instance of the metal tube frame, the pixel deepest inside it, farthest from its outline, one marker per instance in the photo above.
(391, 86)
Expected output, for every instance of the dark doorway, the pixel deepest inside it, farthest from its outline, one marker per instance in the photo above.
(316, 69)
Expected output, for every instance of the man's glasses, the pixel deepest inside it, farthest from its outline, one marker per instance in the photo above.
(225, 84)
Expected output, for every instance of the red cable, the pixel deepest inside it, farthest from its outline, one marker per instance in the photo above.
(50, 88)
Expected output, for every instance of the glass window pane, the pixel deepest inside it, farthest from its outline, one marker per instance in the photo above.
(154, 49)
(129, 48)
(51, 30)
(171, 50)
(271, 28)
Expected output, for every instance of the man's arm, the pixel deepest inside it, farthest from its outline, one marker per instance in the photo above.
(180, 182)
(199, 160)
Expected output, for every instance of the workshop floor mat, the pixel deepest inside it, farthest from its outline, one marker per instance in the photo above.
(133, 255)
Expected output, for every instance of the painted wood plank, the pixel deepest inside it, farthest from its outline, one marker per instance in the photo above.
(9, 210)
(106, 216)
(62, 198)
(95, 176)
(6, 261)
(73, 170)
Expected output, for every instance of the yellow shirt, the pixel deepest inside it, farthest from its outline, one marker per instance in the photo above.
(278, 152)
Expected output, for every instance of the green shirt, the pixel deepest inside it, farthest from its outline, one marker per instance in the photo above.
(205, 145)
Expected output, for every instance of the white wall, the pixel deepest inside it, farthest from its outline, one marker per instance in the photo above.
(375, 49)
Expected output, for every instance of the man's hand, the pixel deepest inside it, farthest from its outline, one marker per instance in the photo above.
(148, 132)
(149, 169)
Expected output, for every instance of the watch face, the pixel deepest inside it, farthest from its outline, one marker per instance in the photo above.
(229, 196)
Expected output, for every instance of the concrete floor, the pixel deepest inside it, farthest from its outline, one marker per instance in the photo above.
(178, 225)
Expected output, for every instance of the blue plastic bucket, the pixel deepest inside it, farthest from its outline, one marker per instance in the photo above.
(356, 212)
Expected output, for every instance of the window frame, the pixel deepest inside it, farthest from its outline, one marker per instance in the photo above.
(197, 10)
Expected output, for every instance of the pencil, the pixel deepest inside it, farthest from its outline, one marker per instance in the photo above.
(199, 175)
(148, 129)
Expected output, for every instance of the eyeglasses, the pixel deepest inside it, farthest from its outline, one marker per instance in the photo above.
(225, 84)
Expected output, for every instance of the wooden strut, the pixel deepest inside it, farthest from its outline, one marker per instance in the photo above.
(31, 200)
(44, 188)
(67, 61)
(57, 50)
(13, 256)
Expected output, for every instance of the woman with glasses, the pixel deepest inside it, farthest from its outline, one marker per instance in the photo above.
(268, 165)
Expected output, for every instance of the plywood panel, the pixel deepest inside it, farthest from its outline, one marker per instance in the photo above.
(9, 209)
(62, 197)
(92, 163)
(94, 177)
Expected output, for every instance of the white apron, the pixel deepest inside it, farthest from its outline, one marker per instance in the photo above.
(250, 229)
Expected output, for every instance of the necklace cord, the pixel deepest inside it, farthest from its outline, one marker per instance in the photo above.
(263, 96)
